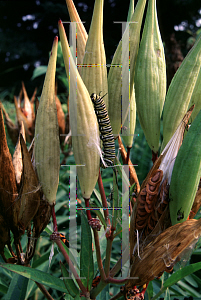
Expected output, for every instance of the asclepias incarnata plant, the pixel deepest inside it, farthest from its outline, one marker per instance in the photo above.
(102, 107)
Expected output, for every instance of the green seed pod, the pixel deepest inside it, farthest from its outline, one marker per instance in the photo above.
(82, 35)
(186, 174)
(116, 112)
(94, 70)
(84, 125)
(150, 78)
(46, 147)
(180, 92)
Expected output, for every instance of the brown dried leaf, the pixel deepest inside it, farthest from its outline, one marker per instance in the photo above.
(17, 156)
(162, 254)
(197, 203)
(29, 194)
(8, 189)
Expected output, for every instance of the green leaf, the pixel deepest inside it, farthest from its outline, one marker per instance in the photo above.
(86, 255)
(178, 276)
(3, 289)
(17, 288)
(69, 283)
(41, 70)
(36, 275)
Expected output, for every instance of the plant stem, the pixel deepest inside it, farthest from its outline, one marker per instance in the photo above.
(71, 266)
(98, 255)
(103, 197)
(44, 291)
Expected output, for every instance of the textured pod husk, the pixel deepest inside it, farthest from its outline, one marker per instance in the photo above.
(46, 147)
(42, 217)
(28, 107)
(22, 118)
(186, 174)
(61, 119)
(17, 156)
(94, 70)
(196, 204)
(82, 35)
(150, 78)
(29, 194)
(84, 126)
(151, 211)
(162, 254)
(12, 128)
(8, 188)
(180, 92)
(115, 74)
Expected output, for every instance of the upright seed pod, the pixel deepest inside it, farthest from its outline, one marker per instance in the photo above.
(82, 35)
(116, 112)
(186, 174)
(180, 92)
(94, 70)
(46, 147)
(84, 125)
(150, 78)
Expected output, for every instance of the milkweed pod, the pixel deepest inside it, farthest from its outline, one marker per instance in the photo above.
(186, 174)
(82, 35)
(8, 192)
(150, 78)
(164, 252)
(46, 147)
(83, 123)
(117, 111)
(94, 70)
(180, 92)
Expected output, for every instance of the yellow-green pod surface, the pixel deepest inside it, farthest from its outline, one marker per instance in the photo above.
(150, 78)
(183, 86)
(186, 174)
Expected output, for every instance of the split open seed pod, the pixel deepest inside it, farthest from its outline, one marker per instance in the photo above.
(162, 254)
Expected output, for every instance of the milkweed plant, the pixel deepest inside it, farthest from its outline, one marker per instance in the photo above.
(128, 242)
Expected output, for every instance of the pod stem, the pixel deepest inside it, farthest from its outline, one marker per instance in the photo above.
(154, 156)
(128, 155)
(55, 228)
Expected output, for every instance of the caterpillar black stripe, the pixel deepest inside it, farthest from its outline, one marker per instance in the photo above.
(105, 130)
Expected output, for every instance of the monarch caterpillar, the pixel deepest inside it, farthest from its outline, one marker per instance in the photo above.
(105, 130)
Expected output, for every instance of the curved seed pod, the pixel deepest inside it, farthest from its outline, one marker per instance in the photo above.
(8, 189)
(46, 147)
(17, 156)
(82, 35)
(115, 74)
(186, 174)
(29, 194)
(180, 92)
(150, 78)
(84, 126)
(42, 217)
(162, 254)
(94, 70)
